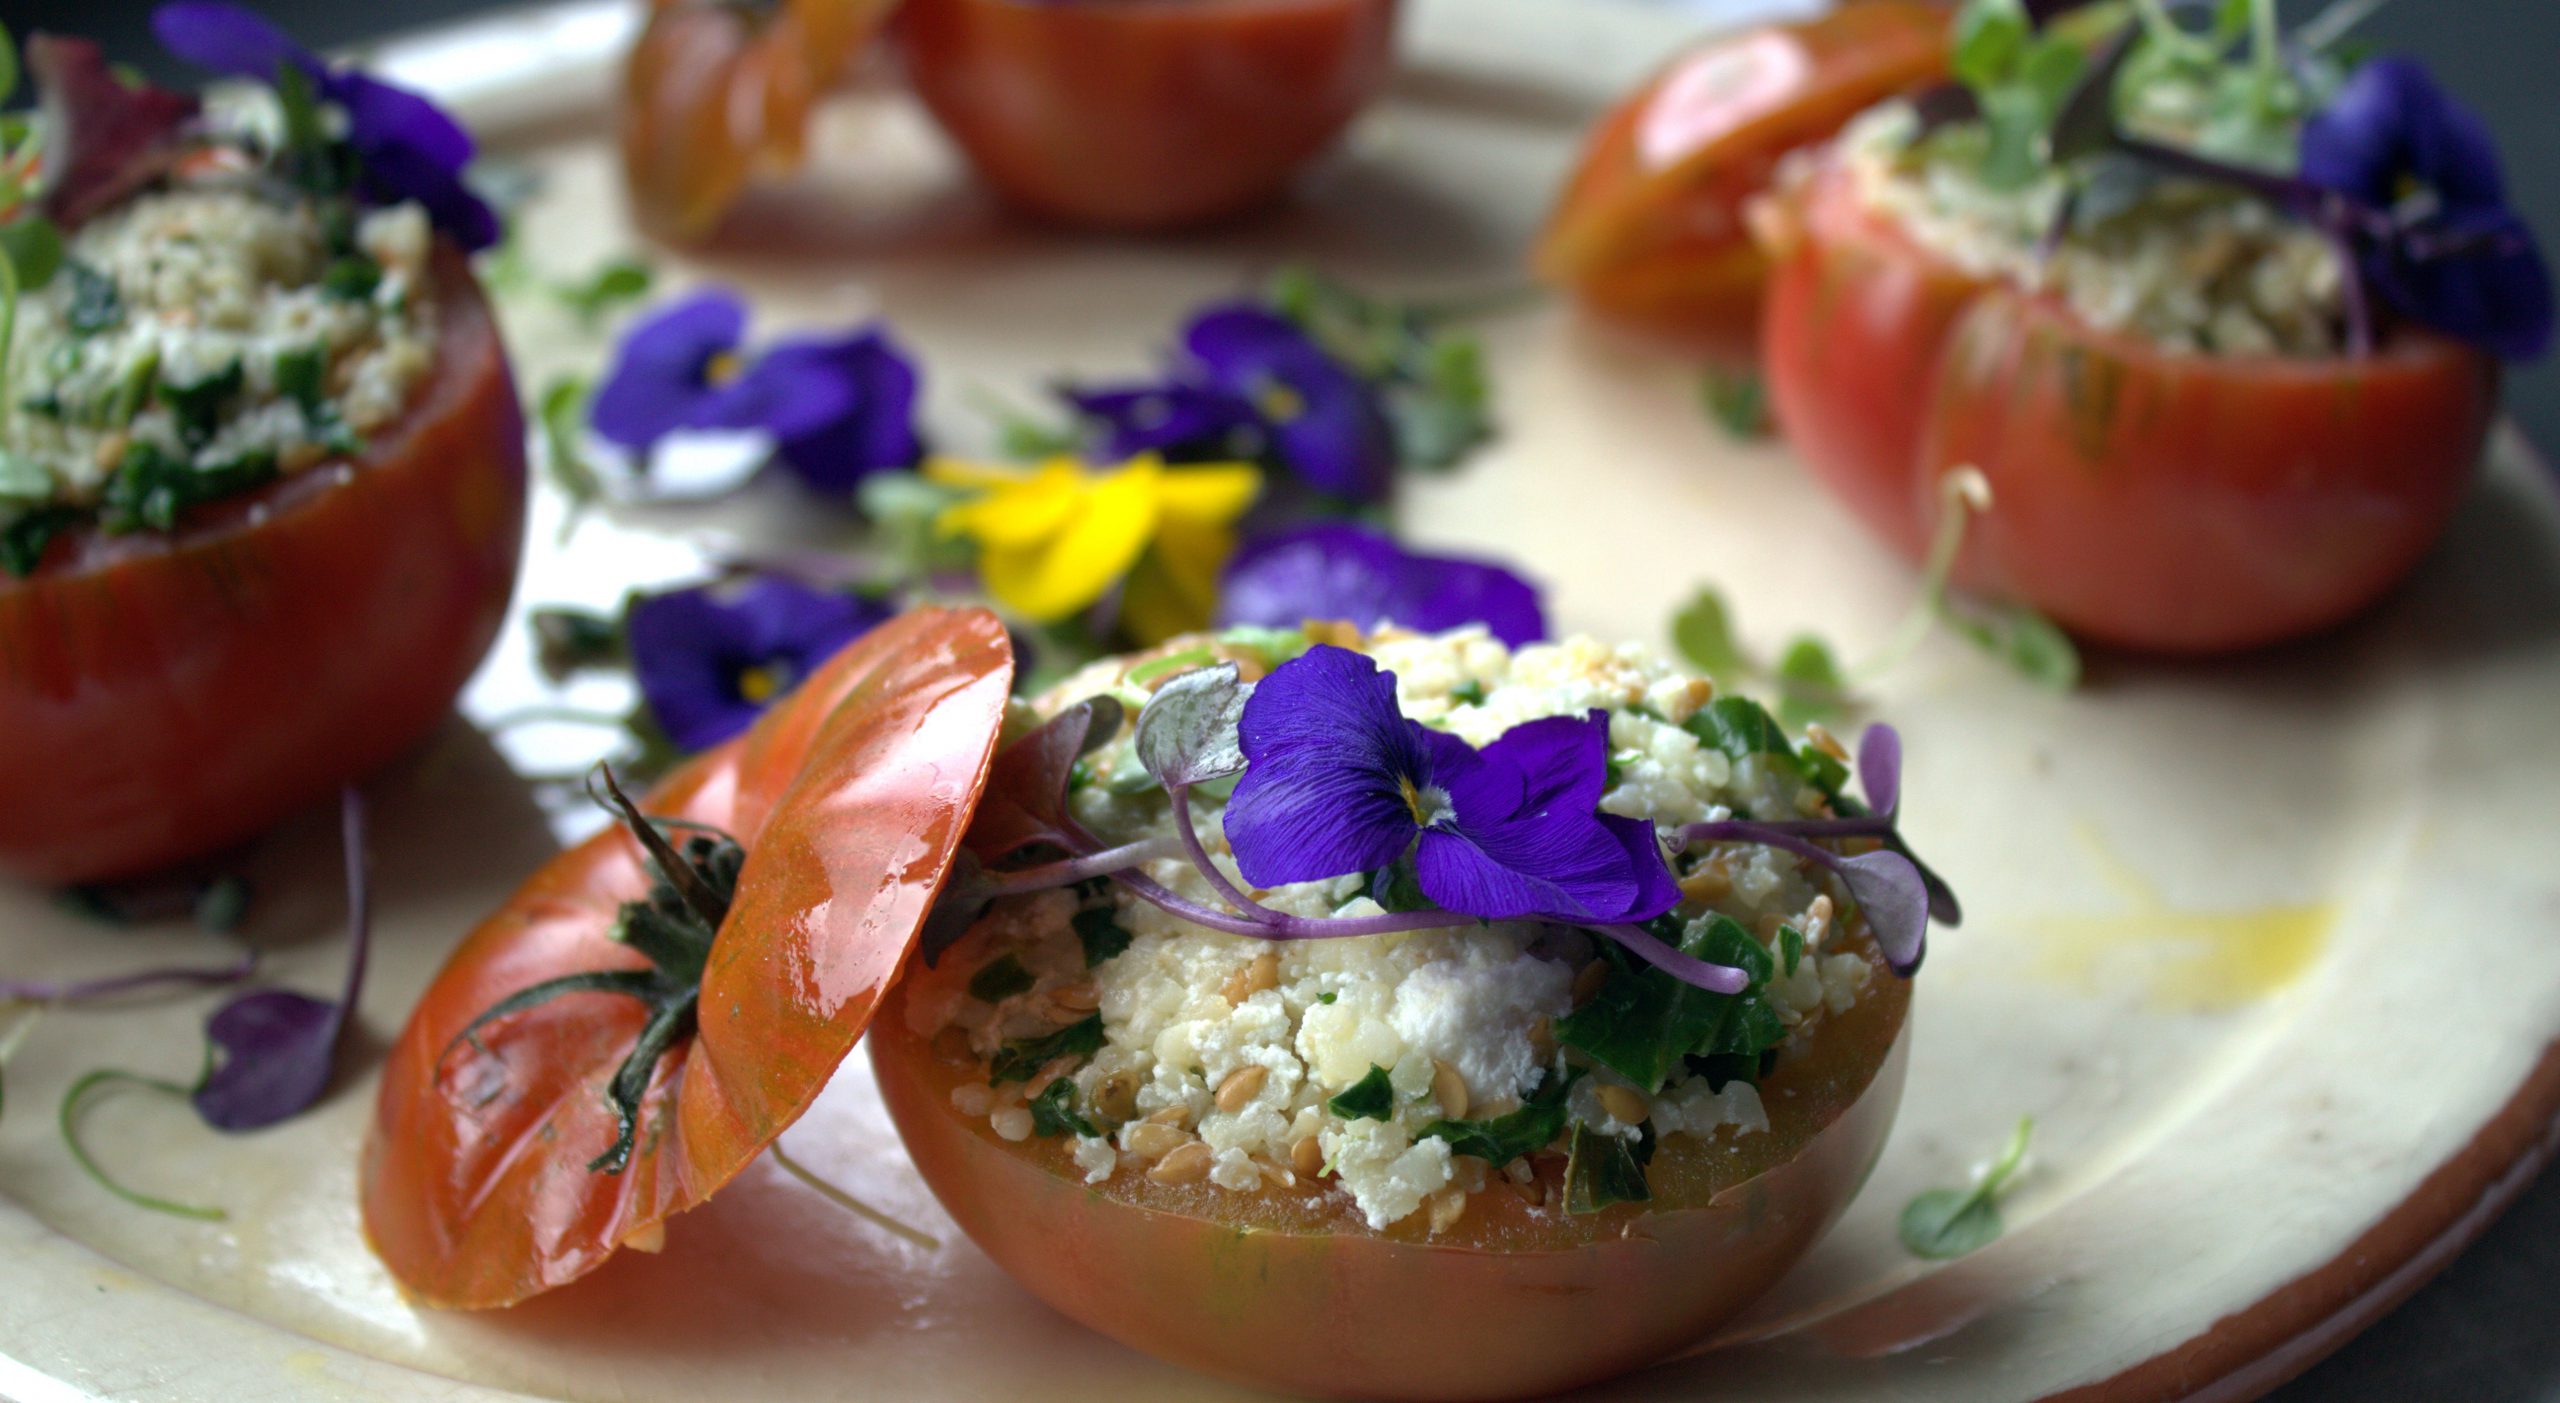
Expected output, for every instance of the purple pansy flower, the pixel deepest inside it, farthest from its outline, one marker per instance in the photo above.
(1335, 570)
(710, 659)
(1338, 780)
(1247, 368)
(406, 147)
(2458, 258)
(837, 408)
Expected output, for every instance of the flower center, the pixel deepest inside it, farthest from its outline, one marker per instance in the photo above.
(764, 681)
(1428, 803)
(723, 367)
(1280, 402)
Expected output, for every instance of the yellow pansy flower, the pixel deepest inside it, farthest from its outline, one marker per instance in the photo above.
(1055, 538)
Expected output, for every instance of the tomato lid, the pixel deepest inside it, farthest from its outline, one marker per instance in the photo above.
(849, 800)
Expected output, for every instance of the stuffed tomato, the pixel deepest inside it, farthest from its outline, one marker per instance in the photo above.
(2227, 371)
(265, 485)
(1141, 114)
(1414, 1068)
(1650, 228)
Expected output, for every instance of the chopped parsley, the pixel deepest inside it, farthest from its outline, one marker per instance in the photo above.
(24, 538)
(1103, 936)
(1603, 1169)
(197, 407)
(1001, 979)
(1467, 693)
(1022, 1058)
(351, 279)
(1504, 1138)
(1053, 1111)
(1643, 1022)
(152, 489)
(1373, 1097)
(96, 303)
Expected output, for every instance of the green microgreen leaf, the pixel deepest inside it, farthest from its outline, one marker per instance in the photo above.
(1501, 1139)
(1601, 1170)
(1430, 380)
(1000, 979)
(2027, 641)
(1811, 686)
(1703, 632)
(1643, 1022)
(77, 1097)
(614, 283)
(33, 246)
(1103, 936)
(1187, 731)
(1022, 1059)
(1740, 727)
(1946, 1223)
(1737, 400)
(1373, 1097)
(562, 412)
(1186, 658)
(1270, 646)
(1053, 1111)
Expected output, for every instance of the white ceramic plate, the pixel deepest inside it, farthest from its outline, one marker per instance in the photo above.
(2266, 947)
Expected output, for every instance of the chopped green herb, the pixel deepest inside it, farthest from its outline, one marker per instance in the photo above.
(132, 389)
(1643, 1022)
(1022, 1059)
(197, 407)
(1501, 1139)
(1001, 979)
(1373, 1097)
(1103, 936)
(618, 281)
(1603, 1169)
(152, 489)
(1740, 727)
(96, 302)
(1053, 1111)
(1790, 950)
(351, 279)
(1737, 400)
(1328, 996)
(562, 412)
(1467, 693)
(24, 538)
(1945, 1223)
(302, 375)
(1395, 888)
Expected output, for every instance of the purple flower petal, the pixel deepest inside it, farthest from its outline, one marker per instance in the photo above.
(1326, 751)
(1324, 421)
(659, 382)
(1570, 869)
(710, 659)
(381, 115)
(786, 396)
(876, 431)
(229, 40)
(1175, 420)
(2488, 286)
(1657, 890)
(392, 173)
(2392, 123)
(1562, 760)
(1335, 570)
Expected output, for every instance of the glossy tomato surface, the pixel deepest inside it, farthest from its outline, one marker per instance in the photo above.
(1142, 114)
(1292, 1289)
(2175, 502)
(850, 799)
(1650, 229)
(163, 695)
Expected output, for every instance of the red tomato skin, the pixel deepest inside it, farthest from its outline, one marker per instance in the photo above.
(165, 696)
(1512, 1304)
(850, 797)
(1137, 116)
(2173, 503)
(1651, 233)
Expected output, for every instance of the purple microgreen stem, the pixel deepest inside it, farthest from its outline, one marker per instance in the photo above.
(1285, 927)
(1109, 862)
(76, 991)
(1687, 968)
(1183, 827)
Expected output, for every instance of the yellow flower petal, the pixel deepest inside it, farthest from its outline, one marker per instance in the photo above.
(1209, 494)
(1020, 513)
(1095, 543)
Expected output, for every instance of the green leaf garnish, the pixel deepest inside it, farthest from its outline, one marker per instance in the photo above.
(1022, 1059)
(197, 407)
(1703, 632)
(1504, 1138)
(1373, 1097)
(1152, 669)
(1270, 646)
(1737, 400)
(1643, 1022)
(33, 245)
(96, 305)
(352, 278)
(1603, 1169)
(152, 489)
(616, 282)
(1946, 1223)
(1053, 1111)
(1740, 727)
(2027, 641)
(1810, 684)
(1000, 979)
(1103, 936)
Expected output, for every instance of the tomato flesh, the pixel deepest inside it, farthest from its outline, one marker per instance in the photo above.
(1136, 115)
(2179, 502)
(163, 696)
(1650, 230)
(1292, 1289)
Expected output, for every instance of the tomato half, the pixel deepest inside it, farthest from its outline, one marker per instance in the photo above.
(850, 799)
(165, 695)
(1650, 231)
(2177, 502)
(1138, 114)
(1292, 1289)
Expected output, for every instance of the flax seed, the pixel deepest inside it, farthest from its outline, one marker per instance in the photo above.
(1542, 1037)
(1241, 1086)
(1817, 920)
(1188, 1164)
(1711, 882)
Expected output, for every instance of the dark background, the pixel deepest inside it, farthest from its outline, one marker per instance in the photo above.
(2489, 1329)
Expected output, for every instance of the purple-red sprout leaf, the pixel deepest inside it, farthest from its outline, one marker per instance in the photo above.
(1026, 798)
(1889, 890)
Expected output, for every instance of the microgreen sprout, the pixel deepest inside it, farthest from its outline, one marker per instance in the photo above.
(1946, 1223)
(67, 1119)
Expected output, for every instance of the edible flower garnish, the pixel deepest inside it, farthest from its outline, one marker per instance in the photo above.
(1337, 570)
(1338, 780)
(403, 147)
(711, 658)
(1056, 539)
(836, 408)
